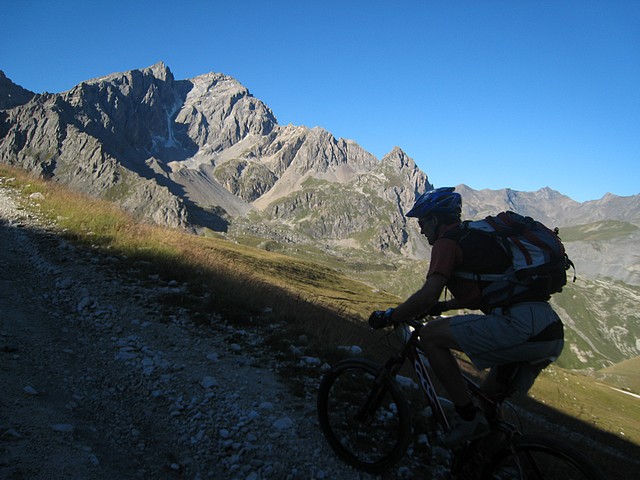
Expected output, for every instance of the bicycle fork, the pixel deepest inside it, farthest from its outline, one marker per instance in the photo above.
(376, 395)
(372, 403)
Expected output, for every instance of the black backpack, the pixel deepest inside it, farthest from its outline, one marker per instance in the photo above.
(515, 258)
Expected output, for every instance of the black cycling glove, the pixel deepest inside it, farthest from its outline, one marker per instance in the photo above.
(380, 318)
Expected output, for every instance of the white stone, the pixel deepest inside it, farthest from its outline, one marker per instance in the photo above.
(29, 390)
(283, 423)
(208, 382)
(63, 427)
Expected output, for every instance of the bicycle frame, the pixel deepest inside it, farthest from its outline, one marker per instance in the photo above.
(416, 356)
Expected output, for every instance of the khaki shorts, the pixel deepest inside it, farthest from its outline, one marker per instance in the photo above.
(508, 335)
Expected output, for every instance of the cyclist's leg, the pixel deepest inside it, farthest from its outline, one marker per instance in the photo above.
(524, 334)
(506, 336)
(437, 341)
(497, 380)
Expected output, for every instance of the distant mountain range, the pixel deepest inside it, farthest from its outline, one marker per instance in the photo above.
(205, 155)
(201, 152)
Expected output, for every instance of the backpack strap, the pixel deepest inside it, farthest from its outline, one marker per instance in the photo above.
(484, 277)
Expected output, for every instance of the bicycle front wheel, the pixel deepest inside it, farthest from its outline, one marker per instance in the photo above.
(535, 457)
(363, 415)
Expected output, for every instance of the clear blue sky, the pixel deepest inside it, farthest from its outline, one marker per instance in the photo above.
(513, 93)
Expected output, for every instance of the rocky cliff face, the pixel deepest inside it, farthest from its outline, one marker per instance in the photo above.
(91, 139)
(12, 95)
(197, 153)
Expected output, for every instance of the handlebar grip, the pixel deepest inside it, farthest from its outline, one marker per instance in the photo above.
(380, 319)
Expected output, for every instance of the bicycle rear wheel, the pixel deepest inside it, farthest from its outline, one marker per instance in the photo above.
(535, 457)
(365, 418)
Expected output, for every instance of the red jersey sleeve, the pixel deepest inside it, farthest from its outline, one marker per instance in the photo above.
(446, 255)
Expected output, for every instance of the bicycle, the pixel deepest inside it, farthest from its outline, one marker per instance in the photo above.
(365, 417)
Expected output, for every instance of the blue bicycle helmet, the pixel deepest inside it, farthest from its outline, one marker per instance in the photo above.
(441, 200)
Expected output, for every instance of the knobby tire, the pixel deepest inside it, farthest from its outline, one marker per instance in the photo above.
(364, 417)
(536, 457)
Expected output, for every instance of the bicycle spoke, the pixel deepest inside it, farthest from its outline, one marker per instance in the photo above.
(361, 418)
(368, 432)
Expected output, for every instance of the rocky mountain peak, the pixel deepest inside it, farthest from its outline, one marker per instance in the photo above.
(160, 71)
(399, 161)
(12, 95)
(405, 176)
(397, 157)
(213, 83)
(218, 112)
(130, 113)
(320, 154)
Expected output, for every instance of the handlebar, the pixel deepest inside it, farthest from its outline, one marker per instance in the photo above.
(382, 319)
(403, 331)
(418, 322)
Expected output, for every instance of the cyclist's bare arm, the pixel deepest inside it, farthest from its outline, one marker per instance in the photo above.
(420, 303)
(451, 304)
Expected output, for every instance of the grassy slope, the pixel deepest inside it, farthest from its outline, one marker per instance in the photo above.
(589, 400)
(597, 231)
(602, 322)
(623, 375)
(316, 299)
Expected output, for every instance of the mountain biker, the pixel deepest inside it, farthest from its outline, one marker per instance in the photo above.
(522, 332)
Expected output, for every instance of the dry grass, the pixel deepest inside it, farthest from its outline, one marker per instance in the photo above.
(241, 281)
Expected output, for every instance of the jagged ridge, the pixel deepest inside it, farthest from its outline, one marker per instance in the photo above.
(197, 153)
